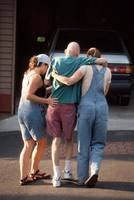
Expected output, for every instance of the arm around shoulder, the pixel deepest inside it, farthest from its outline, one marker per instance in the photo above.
(101, 61)
(68, 80)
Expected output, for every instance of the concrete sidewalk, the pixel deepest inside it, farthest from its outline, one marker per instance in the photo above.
(116, 179)
(120, 118)
(115, 123)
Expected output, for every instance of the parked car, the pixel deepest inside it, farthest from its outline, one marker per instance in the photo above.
(112, 48)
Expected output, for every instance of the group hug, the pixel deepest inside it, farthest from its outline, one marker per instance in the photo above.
(56, 95)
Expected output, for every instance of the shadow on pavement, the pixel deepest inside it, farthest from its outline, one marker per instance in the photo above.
(116, 185)
(10, 145)
(120, 145)
(115, 180)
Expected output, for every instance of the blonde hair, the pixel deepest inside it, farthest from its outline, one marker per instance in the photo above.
(94, 52)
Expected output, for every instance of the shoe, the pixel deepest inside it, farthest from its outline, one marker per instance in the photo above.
(39, 175)
(68, 175)
(91, 181)
(27, 180)
(56, 182)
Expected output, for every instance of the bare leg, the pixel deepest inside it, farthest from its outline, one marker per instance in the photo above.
(37, 154)
(68, 167)
(25, 158)
(56, 161)
(56, 151)
(69, 149)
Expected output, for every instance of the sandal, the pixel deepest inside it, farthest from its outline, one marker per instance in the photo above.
(27, 180)
(39, 175)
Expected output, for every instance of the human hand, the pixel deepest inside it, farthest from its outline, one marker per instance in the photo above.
(101, 61)
(52, 101)
(53, 74)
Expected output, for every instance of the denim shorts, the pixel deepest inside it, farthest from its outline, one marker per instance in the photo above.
(32, 124)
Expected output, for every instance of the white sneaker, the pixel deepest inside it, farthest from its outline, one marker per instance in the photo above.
(56, 182)
(68, 175)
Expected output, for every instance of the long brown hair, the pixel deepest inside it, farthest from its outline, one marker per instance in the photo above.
(32, 63)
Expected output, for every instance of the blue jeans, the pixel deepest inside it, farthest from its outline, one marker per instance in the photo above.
(92, 131)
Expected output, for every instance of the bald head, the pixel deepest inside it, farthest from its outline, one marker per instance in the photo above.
(73, 49)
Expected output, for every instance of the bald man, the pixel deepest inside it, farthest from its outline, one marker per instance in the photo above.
(61, 119)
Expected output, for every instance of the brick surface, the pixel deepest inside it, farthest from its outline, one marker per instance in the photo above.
(112, 148)
(120, 148)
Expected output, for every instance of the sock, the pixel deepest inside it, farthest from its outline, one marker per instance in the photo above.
(67, 165)
(57, 172)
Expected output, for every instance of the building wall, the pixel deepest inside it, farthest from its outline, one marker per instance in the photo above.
(7, 54)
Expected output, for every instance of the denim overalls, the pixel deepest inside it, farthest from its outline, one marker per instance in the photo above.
(92, 126)
(31, 115)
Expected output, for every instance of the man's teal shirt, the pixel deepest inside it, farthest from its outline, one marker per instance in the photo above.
(66, 66)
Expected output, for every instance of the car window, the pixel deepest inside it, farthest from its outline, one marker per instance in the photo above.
(106, 41)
